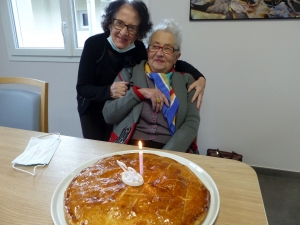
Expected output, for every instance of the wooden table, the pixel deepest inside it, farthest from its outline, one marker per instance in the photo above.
(25, 199)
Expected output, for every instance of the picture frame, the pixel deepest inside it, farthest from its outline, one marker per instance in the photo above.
(243, 9)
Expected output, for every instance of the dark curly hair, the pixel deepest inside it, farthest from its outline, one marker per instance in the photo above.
(110, 11)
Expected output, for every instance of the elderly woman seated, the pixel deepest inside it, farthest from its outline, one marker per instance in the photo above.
(157, 109)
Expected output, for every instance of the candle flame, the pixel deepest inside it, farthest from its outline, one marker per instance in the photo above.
(140, 145)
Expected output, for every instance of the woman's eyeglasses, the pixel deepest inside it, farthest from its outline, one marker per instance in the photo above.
(119, 25)
(166, 49)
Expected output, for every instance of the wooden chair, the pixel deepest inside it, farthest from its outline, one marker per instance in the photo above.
(21, 108)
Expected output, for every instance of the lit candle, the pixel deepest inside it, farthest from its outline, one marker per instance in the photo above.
(141, 159)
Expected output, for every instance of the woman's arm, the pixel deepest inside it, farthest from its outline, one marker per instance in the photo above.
(114, 111)
(198, 85)
(187, 132)
(185, 67)
(88, 84)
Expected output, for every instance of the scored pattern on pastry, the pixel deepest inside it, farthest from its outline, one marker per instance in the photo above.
(171, 194)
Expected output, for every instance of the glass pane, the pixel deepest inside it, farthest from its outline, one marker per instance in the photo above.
(87, 16)
(37, 23)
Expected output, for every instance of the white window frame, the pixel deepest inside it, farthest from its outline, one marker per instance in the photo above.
(69, 54)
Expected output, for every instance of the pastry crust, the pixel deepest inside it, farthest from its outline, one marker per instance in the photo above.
(171, 194)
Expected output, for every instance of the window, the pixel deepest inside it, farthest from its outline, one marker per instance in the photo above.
(50, 30)
(83, 19)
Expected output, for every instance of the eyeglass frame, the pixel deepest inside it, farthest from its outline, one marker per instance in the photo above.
(127, 26)
(162, 48)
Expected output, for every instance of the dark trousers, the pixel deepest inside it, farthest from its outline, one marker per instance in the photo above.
(147, 143)
(94, 126)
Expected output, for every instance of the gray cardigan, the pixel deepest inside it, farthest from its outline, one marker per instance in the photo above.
(124, 112)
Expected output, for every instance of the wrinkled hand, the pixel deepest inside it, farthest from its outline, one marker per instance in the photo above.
(153, 95)
(199, 86)
(118, 89)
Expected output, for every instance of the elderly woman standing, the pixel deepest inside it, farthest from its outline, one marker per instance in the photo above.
(157, 109)
(104, 55)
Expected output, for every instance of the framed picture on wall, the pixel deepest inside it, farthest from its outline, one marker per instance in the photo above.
(244, 9)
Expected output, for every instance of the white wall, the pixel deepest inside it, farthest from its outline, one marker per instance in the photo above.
(251, 103)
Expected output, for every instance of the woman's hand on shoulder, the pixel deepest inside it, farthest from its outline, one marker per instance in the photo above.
(118, 89)
(199, 86)
(157, 98)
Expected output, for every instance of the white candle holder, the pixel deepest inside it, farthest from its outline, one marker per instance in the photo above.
(130, 176)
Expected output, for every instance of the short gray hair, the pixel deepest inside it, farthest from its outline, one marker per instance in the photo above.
(170, 26)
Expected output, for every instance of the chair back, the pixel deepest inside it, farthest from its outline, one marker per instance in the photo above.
(24, 109)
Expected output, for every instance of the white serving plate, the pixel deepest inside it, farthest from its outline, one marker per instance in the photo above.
(57, 211)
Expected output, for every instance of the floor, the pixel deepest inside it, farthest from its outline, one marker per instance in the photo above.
(281, 195)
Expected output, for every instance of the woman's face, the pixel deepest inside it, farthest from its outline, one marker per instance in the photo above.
(159, 61)
(122, 38)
